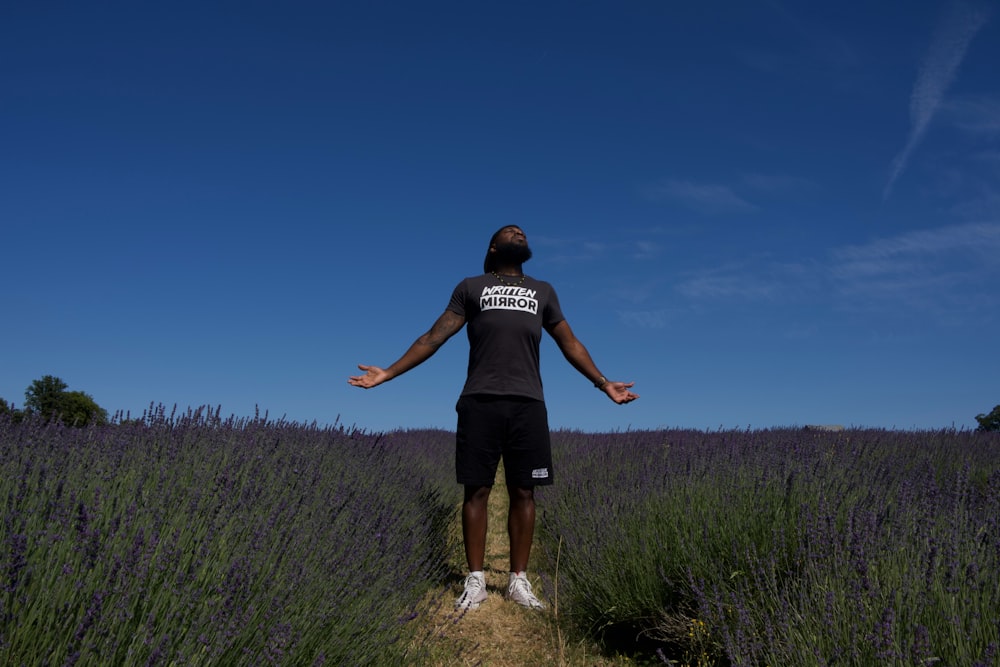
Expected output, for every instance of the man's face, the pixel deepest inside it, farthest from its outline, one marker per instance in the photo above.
(511, 234)
(511, 246)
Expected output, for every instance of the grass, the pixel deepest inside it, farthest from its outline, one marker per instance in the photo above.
(500, 633)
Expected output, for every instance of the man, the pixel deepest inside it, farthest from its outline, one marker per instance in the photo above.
(501, 410)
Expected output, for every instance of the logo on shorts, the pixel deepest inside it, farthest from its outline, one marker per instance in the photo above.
(540, 473)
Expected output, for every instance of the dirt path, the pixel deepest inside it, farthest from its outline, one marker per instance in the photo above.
(499, 633)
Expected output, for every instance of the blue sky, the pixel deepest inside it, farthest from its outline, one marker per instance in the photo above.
(763, 213)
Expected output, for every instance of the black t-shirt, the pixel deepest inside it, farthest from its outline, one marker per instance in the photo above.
(504, 324)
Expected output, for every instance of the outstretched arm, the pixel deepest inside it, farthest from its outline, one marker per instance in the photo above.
(577, 355)
(444, 328)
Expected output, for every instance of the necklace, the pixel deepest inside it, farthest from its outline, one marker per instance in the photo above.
(504, 282)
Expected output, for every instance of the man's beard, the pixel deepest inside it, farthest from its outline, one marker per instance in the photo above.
(508, 254)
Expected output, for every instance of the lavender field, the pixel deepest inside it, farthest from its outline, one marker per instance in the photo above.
(192, 539)
(780, 547)
(197, 540)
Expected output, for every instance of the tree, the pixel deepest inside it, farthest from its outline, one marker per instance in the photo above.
(990, 422)
(45, 396)
(9, 409)
(49, 398)
(80, 409)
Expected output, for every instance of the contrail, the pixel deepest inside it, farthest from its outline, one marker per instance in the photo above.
(948, 48)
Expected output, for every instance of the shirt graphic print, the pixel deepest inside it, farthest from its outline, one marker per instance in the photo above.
(505, 297)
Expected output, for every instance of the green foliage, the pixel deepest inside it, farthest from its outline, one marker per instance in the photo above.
(990, 422)
(80, 409)
(8, 409)
(48, 397)
(45, 395)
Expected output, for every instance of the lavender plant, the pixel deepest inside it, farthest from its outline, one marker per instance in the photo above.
(199, 540)
(781, 546)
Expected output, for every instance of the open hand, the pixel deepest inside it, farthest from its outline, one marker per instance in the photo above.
(619, 392)
(373, 377)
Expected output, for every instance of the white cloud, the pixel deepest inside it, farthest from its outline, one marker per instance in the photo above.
(742, 286)
(644, 319)
(978, 115)
(817, 45)
(645, 250)
(937, 72)
(972, 237)
(569, 251)
(707, 198)
(755, 279)
(950, 270)
(779, 183)
(943, 270)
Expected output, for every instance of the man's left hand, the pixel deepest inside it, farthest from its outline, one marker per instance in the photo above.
(619, 392)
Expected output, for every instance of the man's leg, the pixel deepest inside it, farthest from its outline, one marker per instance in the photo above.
(474, 524)
(521, 529)
(474, 519)
(520, 526)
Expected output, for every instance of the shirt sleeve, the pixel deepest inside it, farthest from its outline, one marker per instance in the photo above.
(457, 302)
(553, 314)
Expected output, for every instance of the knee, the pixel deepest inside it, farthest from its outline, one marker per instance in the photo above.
(477, 495)
(521, 495)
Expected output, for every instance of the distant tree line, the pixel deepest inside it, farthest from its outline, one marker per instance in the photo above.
(990, 422)
(49, 399)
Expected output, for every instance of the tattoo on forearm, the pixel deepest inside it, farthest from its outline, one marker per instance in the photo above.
(442, 330)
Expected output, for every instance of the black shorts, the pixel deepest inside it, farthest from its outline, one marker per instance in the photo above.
(512, 427)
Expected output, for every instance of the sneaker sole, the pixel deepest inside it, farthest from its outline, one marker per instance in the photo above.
(471, 605)
(540, 606)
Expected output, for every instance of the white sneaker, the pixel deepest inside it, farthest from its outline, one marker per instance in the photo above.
(474, 593)
(519, 590)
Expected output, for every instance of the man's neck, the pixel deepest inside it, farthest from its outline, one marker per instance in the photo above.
(514, 270)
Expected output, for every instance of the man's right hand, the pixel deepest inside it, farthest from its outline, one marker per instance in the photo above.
(373, 377)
